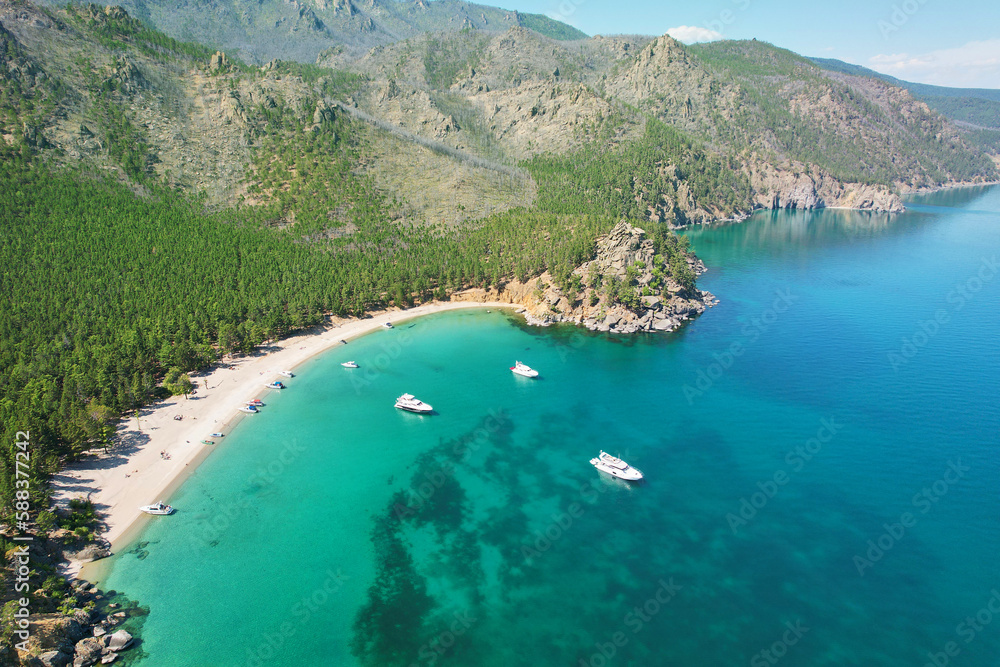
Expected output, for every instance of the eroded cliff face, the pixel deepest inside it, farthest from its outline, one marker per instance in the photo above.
(625, 288)
(776, 188)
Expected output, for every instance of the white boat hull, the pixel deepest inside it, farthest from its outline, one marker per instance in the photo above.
(421, 409)
(523, 370)
(157, 511)
(410, 403)
(615, 467)
(631, 475)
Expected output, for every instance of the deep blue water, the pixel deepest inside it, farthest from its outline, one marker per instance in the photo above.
(844, 391)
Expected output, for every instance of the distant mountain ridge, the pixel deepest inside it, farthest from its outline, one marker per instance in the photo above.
(300, 29)
(976, 106)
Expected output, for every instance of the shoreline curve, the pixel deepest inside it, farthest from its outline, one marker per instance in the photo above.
(134, 472)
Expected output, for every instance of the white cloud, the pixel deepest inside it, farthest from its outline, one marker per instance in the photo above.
(690, 34)
(973, 65)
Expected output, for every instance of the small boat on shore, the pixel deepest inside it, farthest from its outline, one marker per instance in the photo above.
(411, 403)
(277, 384)
(523, 369)
(615, 467)
(287, 374)
(387, 325)
(208, 442)
(217, 435)
(350, 364)
(249, 409)
(257, 403)
(158, 509)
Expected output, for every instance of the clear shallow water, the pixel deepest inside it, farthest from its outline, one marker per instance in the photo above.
(333, 529)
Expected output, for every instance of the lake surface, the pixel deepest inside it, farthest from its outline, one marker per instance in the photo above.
(821, 454)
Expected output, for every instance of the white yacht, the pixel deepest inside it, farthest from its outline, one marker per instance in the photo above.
(522, 369)
(350, 364)
(277, 384)
(287, 374)
(410, 403)
(160, 509)
(615, 467)
(217, 435)
(249, 409)
(387, 325)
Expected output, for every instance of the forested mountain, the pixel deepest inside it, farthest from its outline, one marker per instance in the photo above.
(163, 203)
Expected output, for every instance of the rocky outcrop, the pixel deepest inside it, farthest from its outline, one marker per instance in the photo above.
(54, 659)
(55, 633)
(90, 552)
(798, 188)
(218, 62)
(623, 289)
(86, 636)
(88, 652)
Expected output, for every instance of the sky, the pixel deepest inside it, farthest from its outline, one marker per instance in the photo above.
(942, 42)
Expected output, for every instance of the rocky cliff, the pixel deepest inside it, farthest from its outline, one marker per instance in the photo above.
(800, 187)
(627, 287)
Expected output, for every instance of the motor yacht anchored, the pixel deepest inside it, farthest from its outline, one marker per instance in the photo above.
(615, 467)
(523, 369)
(410, 403)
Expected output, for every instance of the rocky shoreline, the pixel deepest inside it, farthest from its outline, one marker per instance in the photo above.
(83, 638)
(73, 622)
(649, 296)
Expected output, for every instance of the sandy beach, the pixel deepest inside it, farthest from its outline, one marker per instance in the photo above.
(153, 454)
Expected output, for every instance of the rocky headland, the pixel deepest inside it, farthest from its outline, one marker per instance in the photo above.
(629, 285)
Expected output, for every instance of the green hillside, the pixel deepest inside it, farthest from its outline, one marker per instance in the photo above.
(548, 27)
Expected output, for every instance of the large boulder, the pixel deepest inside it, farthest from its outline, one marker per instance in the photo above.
(89, 553)
(54, 659)
(651, 302)
(88, 651)
(120, 641)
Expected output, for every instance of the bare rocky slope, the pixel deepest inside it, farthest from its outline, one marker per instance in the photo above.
(806, 138)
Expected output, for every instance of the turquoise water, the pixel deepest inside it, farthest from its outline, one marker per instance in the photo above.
(845, 390)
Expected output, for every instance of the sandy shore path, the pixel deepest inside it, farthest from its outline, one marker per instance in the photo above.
(153, 454)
